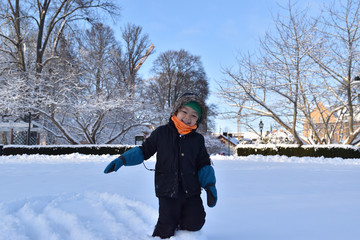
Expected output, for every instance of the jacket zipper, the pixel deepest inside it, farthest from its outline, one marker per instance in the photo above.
(181, 177)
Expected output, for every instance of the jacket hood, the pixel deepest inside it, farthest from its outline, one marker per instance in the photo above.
(186, 98)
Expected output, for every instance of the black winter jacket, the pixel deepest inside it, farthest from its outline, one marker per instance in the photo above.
(178, 160)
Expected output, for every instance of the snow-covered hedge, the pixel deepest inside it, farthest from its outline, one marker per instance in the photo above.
(63, 149)
(294, 150)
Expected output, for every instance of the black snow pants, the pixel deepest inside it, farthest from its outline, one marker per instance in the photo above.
(179, 214)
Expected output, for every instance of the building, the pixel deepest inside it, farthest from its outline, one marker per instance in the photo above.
(330, 126)
(19, 133)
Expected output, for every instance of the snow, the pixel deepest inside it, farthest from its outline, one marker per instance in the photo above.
(260, 197)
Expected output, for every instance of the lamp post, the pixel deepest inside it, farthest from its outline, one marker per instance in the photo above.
(261, 126)
(29, 130)
(356, 83)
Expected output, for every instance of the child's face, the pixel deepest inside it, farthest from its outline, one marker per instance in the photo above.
(187, 115)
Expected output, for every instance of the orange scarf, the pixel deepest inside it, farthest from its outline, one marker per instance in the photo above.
(182, 127)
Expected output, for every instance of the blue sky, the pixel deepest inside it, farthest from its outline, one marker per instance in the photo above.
(215, 30)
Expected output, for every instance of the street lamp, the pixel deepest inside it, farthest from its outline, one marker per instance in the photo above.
(261, 126)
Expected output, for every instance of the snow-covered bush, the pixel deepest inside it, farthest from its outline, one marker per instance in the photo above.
(214, 145)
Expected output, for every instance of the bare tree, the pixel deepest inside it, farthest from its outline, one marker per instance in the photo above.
(276, 83)
(45, 21)
(11, 36)
(96, 109)
(337, 55)
(136, 44)
(39, 45)
(176, 72)
(306, 64)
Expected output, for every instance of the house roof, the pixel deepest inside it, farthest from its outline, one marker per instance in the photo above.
(233, 141)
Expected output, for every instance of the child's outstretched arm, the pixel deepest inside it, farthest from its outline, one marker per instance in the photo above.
(131, 157)
(207, 180)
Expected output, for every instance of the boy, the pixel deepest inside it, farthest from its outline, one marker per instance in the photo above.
(182, 167)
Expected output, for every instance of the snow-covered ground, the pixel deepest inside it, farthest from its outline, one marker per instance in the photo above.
(260, 198)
